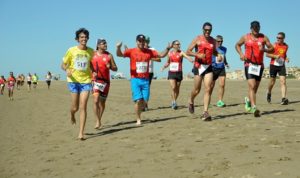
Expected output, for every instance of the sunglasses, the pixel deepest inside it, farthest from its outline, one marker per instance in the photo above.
(220, 41)
(176, 43)
(280, 38)
(207, 30)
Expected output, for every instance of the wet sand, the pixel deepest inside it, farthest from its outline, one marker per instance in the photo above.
(37, 139)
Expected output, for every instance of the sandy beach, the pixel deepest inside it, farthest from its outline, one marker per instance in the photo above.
(38, 140)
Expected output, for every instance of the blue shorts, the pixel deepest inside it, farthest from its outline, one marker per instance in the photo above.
(79, 87)
(140, 89)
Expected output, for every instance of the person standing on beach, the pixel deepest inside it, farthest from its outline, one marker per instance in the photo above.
(102, 63)
(253, 58)
(77, 64)
(2, 84)
(139, 71)
(218, 68)
(205, 46)
(175, 76)
(10, 85)
(48, 79)
(277, 65)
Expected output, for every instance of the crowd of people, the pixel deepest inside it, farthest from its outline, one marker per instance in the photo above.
(11, 81)
(89, 70)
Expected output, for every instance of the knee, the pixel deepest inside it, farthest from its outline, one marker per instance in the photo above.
(74, 108)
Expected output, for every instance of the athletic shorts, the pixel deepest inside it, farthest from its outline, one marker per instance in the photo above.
(140, 89)
(196, 71)
(102, 88)
(48, 82)
(79, 87)
(218, 72)
(34, 83)
(175, 76)
(277, 69)
(29, 82)
(251, 76)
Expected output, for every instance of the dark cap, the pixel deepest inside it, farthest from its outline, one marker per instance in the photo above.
(255, 24)
(101, 40)
(140, 37)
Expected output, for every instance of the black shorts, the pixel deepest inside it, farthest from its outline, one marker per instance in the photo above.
(29, 82)
(277, 69)
(150, 78)
(48, 82)
(175, 76)
(218, 72)
(196, 71)
(251, 76)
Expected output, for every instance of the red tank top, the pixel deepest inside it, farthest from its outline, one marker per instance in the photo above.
(99, 63)
(175, 61)
(206, 47)
(252, 52)
(281, 50)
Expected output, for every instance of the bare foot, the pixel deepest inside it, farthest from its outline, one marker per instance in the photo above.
(81, 139)
(98, 125)
(138, 122)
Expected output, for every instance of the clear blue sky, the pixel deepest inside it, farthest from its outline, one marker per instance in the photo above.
(35, 34)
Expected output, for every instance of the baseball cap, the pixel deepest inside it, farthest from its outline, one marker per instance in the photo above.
(255, 24)
(101, 40)
(140, 37)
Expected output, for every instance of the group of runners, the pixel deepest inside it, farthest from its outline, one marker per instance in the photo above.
(19, 81)
(89, 70)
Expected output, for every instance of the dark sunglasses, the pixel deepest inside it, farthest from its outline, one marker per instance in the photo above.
(207, 30)
(220, 41)
(176, 43)
(280, 38)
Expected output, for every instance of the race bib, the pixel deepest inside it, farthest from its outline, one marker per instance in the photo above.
(80, 64)
(254, 69)
(202, 68)
(174, 66)
(100, 86)
(141, 67)
(279, 62)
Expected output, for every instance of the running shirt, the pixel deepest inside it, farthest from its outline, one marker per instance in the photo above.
(99, 63)
(11, 81)
(79, 61)
(281, 50)
(252, 52)
(219, 65)
(206, 47)
(48, 77)
(175, 61)
(139, 61)
(34, 78)
(2, 81)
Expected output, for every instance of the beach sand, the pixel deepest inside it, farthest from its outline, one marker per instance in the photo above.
(38, 140)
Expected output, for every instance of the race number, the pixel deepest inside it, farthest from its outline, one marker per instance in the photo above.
(174, 66)
(202, 68)
(100, 86)
(141, 67)
(254, 69)
(279, 62)
(81, 64)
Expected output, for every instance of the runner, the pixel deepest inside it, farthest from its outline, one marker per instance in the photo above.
(35, 79)
(48, 79)
(10, 85)
(139, 70)
(205, 46)
(102, 62)
(277, 65)
(175, 70)
(219, 72)
(29, 80)
(255, 43)
(19, 79)
(76, 63)
(2, 84)
(22, 79)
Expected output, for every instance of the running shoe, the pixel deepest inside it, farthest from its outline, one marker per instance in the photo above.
(284, 101)
(191, 108)
(220, 104)
(205, 116)
(174, 105)
(255, 112)
(269, 97)
(247, 104)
